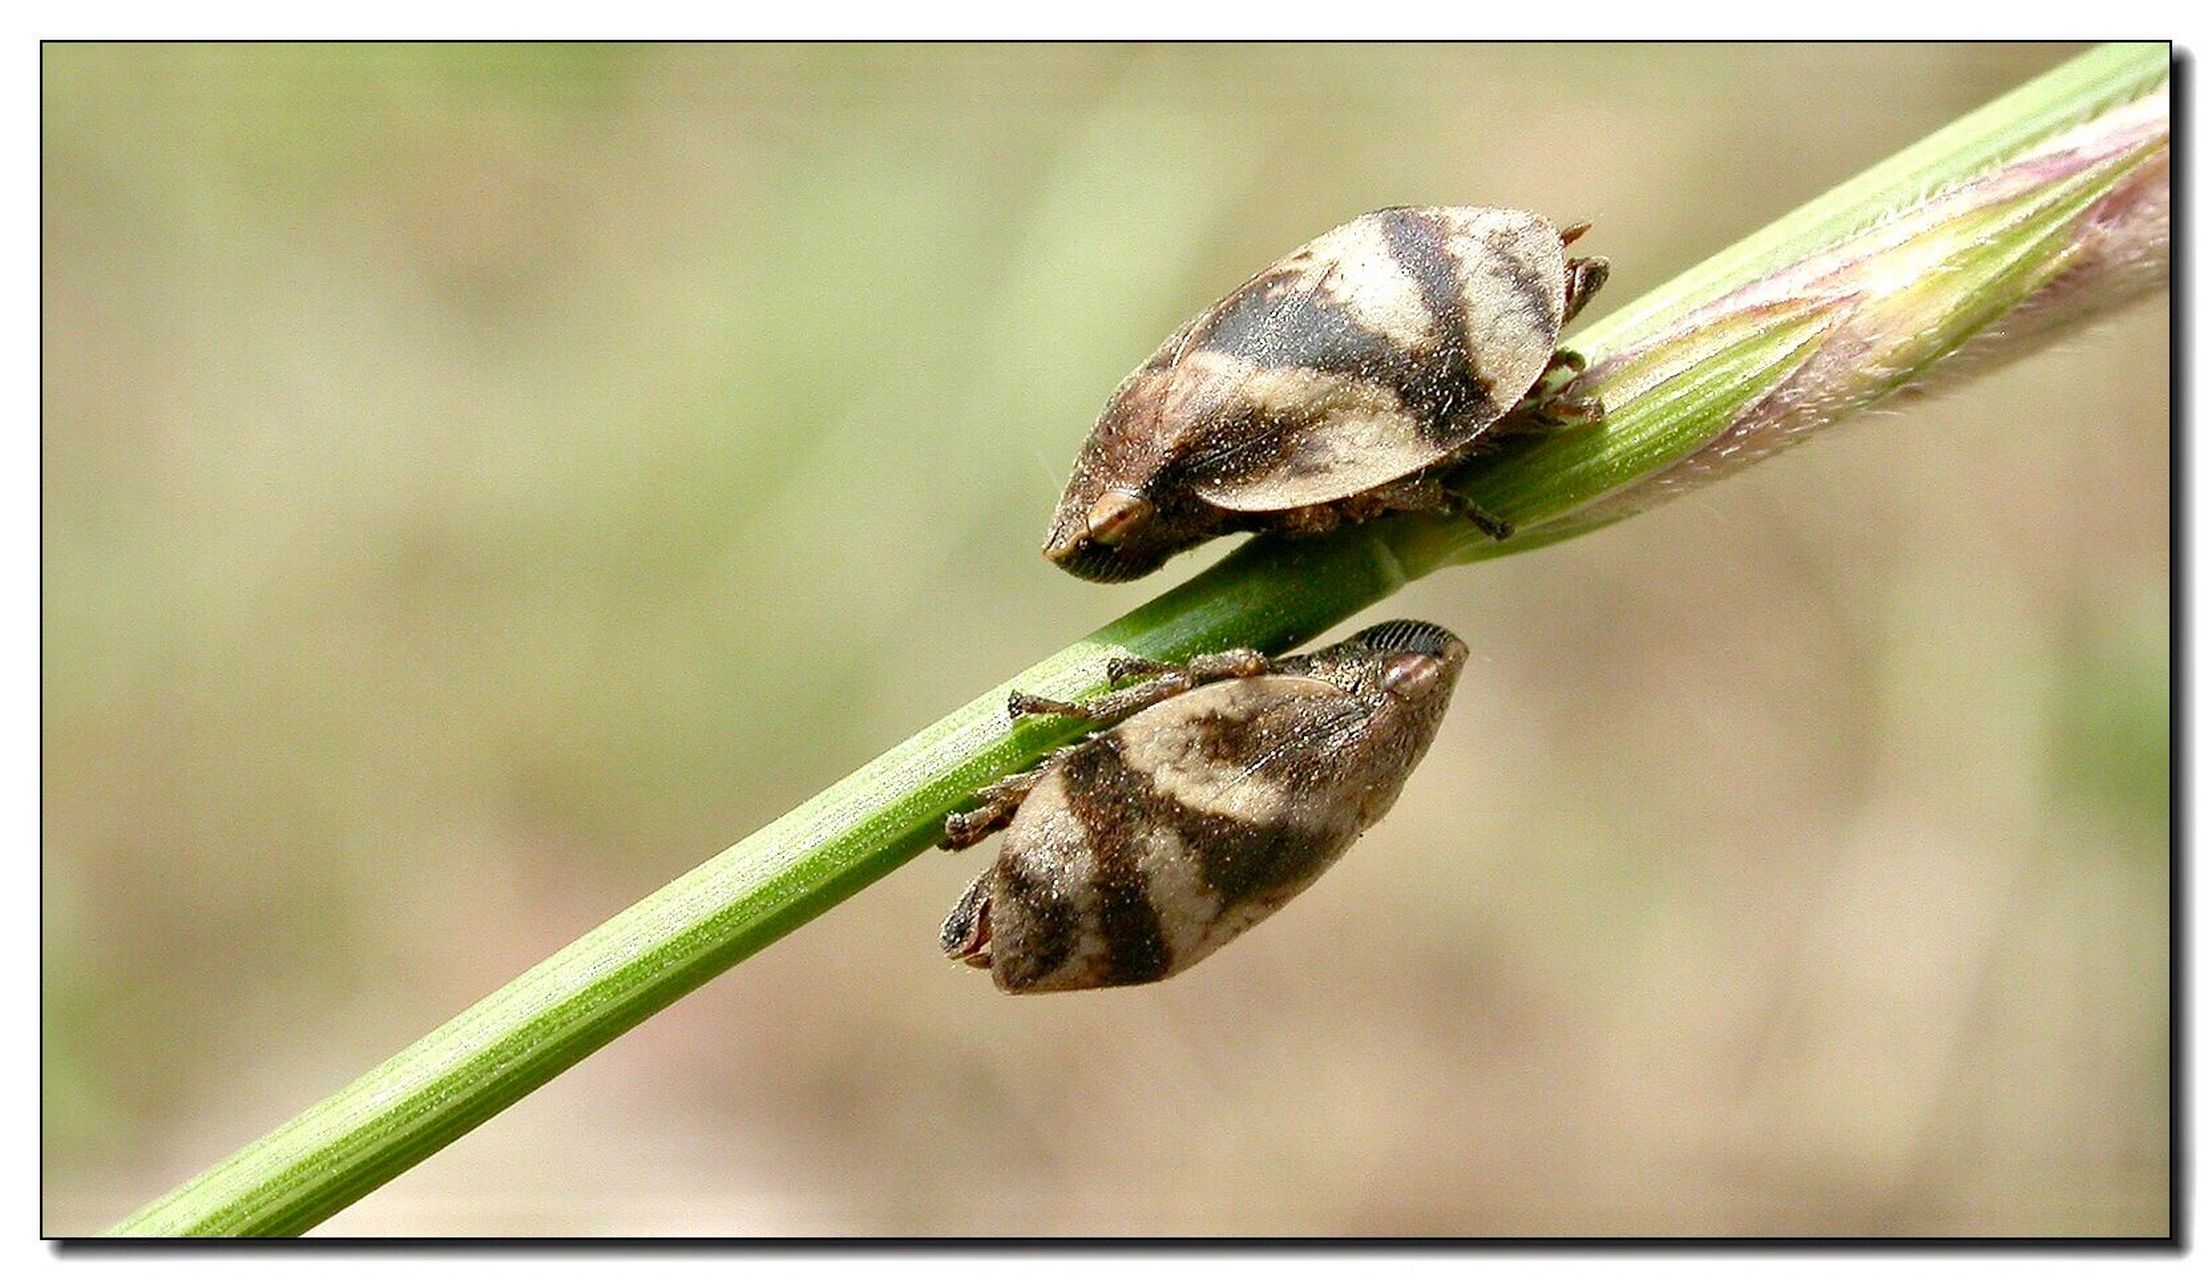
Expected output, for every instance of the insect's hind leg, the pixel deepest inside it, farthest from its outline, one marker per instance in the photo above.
(1458, 504)
(1426, 492)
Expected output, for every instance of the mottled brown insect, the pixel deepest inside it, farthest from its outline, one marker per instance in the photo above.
(1221, 789)
(1335, 385)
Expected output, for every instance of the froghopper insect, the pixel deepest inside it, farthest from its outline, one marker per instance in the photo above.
(1340, 383)
(1218, 790)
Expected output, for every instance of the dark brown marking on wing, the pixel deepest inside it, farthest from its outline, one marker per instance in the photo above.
(1052, 931)
(1239, 859)
(1221, 738)
(1530, 289)
(1281, 319)
(1255, 862)
(1115, 806)
(1276, 321)
(1452, 388)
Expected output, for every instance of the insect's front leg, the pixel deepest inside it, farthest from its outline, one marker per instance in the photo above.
(1561, 370)
(995, 806)
(1547, 408)
(1564, 412)
(1166, 681)
(1229, 664)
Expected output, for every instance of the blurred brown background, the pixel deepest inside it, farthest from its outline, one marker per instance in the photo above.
(482, 482)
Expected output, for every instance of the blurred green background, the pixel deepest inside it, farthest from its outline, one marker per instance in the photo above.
(481, 482)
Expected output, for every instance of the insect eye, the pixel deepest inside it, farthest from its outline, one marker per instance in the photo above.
(1117, 514)
(1409, 675)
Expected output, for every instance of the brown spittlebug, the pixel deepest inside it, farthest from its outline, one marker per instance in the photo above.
(1338, 384)
(1219, 789)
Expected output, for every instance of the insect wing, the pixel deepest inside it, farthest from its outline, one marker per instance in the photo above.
(1339, 438)
(1374, 351)
(1256, 751)
(1248, 788)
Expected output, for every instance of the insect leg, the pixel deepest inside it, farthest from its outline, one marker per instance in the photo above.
(1563, 368)
(1019, 704)
(1427, 493)
(1567, 411)
(1546, 407)
(1319, 517)
(1167, 681)
(1124, 669)
(1229, 664)
(995, 806)
(1497, 527)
